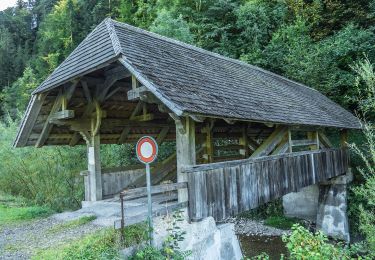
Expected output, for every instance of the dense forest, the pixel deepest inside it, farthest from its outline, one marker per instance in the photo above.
(328, 45)
(314, 42)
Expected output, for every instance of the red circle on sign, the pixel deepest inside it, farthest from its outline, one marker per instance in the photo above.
(147, 149)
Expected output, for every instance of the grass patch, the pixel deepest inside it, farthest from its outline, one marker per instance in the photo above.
(15, 210)
(281, 222)
(103, 244)
(71, 224)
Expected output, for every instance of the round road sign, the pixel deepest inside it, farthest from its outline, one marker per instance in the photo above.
(147, 149)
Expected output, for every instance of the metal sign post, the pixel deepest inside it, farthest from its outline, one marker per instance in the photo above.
(147, 151)
(149, 202)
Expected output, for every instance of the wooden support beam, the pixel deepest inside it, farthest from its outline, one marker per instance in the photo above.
(305, 142)
(127, 129)
(135, 83)
(163, 133)
(32, 112)
(119, 71)
(290, 147)
(62, 100)
(47, 127)
(229, 121)
(254, 144)
(244, 141)
(271, 142)
(313, 136)
(94, 168)
(141, 93)
(86, 92)
(344, 138)
(283, 146)
(186, 152)
(61, 115)
(101, 94)
(324, 140)
(108, 83)
(114, 91)
(208, 143)
(144, 117)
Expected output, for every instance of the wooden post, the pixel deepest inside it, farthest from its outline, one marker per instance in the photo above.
(313, 136)
(185, 149)
(209, 146)
(94, 168)
(344, 138)
(290, 149)
(245, 143)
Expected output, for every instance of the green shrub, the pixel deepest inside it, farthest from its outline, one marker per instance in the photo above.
(170, 248)
(365, 193)
(149, 253)
(303, 244)
(135, 234)
(48, 176)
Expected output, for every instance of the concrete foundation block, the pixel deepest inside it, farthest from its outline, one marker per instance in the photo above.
(302, 204)
(332, 216)
(204, 239)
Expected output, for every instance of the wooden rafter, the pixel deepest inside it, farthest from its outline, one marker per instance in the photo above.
(101, 95)
(61, 101)
(47, 127)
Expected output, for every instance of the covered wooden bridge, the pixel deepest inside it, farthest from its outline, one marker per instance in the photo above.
(244, 135)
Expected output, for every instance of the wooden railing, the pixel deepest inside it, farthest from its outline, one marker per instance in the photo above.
(224, 189)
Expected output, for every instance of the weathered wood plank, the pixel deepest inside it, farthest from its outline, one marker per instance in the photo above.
(233, 188)
(141, 192)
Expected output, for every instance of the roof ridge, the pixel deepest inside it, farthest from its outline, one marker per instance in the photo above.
(192, 47)
(112, 33)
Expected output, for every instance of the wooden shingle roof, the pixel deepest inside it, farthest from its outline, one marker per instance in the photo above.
(190, 80)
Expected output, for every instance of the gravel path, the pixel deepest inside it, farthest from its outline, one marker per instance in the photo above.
(20, 241)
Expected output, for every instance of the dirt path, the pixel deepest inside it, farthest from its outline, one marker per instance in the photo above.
(20, 241)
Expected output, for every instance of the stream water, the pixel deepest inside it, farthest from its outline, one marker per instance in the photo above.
(255, 245)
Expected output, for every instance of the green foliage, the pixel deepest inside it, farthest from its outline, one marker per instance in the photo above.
(150, 253)
(135, 234)
(257, 20)
(281, 222)
(71, 224)
(365, 192)
(171, 27)
(100, 245)
(16, 97)
(305, 245)
(14, 210)
(171, 248)
(46, 176)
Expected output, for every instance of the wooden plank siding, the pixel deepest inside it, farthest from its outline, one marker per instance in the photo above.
(222, 190)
